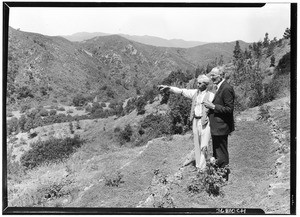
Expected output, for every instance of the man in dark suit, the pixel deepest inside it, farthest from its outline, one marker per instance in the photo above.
(221, 116)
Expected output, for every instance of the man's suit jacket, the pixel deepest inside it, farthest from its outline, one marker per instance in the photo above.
(221, 118)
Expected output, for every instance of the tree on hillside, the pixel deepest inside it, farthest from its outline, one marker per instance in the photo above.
(175, 77)
(272, 61)
(270, 49)
(209, 67)
(199, 71)
(266, 40)
(238, 63)
(287, 33)
(284, 64)
(221, 61)
(179, 112)
(247, 54)
(256, 87)
(257, 49)
(237, 53)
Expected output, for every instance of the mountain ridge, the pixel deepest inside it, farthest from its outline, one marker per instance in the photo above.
(145, 39)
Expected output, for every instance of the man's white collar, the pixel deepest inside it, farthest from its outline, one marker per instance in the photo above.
(219, 85)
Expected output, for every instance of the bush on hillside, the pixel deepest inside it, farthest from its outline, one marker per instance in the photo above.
(69, 111)
(12, 125)
(264, 113)
(52, 112)
(284, 64)
(95, 106)
(24, 108)
(50, 151)
(214, 179)
(150, 95)
(125, 135)
(88, 108)
(180, 107)
(79, 100)
(130, 106)
(271, 90)
(22, 121)
(61, 109)
(177, 77)
(160, 124)
(24, 92)
(151, 127)
(43, 112)
(140, 105)
(114, 181)
(98, 113)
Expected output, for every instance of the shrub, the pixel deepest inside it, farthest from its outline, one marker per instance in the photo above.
(55, 189)
(114, 181)
(79, 100)
(117, 129)
(12, 125)
(103, 104)
(70, 111)
(24, 108)
(179, 113)
(22, 122)
(214, 179)
(150, 94)
(284, 64)
(24, 92)
(29, 124)
(95, 106)
(160, 124)
(130, 106)
(140, 105)
(176, 77)
(9, 114)
(264, 113)
(113, 104)
(125, 135)
(43, 112)
(52, 112)
(88, 108)
(98, 113)
(61, 109)
(49, 151)
(152, 126)
(71, 127)
(32, 135)
(270, 91)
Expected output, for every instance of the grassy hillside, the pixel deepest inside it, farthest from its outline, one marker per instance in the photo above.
(101, 173)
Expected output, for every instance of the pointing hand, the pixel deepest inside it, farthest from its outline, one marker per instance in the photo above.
(163, 88)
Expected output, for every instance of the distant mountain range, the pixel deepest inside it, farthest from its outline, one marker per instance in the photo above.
(111, 67)
(149, 40)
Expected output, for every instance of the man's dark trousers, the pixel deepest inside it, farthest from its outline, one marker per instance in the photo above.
(222, 123)
(220, 150)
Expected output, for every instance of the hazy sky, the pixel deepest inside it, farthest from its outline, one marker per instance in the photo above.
(191, 24)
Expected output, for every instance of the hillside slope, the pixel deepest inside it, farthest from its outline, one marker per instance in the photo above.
(44, 69)
(153, 176)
